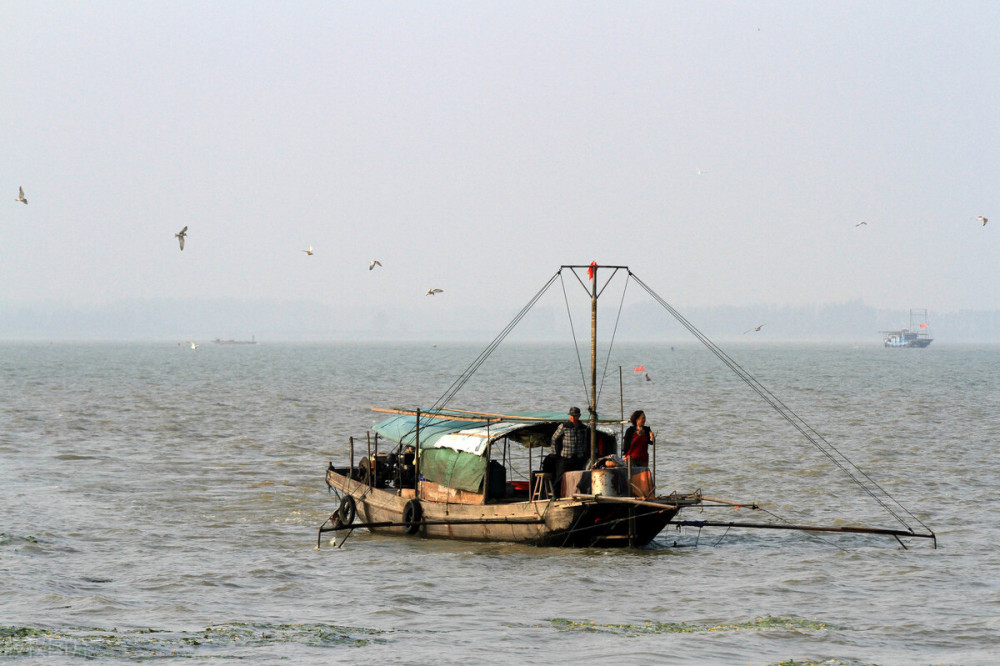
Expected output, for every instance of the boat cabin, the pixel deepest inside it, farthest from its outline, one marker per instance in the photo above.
(480, 459)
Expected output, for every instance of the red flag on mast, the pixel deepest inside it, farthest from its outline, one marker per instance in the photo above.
(591, 270)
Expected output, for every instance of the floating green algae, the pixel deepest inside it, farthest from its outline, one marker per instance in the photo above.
(19, 632)
(216, 640)
(820, 662)
(311, 634)
(10, 538)
(653, 627)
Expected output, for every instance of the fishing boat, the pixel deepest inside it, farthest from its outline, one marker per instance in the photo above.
(463, 492)
(445, 473)
(916, 336)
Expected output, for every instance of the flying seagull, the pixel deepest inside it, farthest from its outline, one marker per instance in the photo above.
(431, 292)
(861, 223)
(373, 263)
(980, 218)
(192, 344)
(20, 196)
(309, 251)
(753, 330)
(180, 237)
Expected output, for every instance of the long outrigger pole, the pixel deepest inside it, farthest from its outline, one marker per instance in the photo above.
(807, 528)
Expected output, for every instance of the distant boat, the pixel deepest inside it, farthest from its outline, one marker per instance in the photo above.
(917, 335)
(251, 341)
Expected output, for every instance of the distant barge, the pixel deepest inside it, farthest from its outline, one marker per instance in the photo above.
(917, 335)
(251, 341)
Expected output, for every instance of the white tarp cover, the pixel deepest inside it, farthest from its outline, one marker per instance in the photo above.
(474, 440)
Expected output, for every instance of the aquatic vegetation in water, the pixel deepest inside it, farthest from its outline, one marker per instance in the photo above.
(651, 627)
(821, 662)
(216, 640)
(10, 538)
(757, 624)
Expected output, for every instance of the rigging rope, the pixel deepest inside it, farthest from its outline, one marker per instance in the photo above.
(579, 360)
(611, 345)
(873, 489)
(457, 385)
(839, 459)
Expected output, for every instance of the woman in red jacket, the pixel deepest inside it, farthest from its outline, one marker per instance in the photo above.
(638, 437)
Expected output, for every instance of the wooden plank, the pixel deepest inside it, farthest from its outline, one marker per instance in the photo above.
(804, 528)
(479, 416)
(607, 499)
(435, 492)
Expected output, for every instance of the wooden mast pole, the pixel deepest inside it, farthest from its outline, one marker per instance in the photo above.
(593, 365)
(621, 407)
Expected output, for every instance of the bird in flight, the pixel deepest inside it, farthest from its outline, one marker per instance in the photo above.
(431, 292)
(861, 223)
(20, 196)
(754, 329)
(309, 252)
(980, 218)
(192, 344)
(180, 237)
(373, 263)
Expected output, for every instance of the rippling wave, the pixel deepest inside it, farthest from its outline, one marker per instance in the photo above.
(171, 496)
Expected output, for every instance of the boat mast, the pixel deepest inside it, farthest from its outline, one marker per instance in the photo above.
(593, 365)
(594, 293)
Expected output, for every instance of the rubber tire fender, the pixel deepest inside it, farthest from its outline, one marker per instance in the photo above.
(412, 513)
(347, 510)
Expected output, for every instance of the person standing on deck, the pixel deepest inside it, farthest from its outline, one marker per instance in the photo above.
(637, 439)
(571, 445)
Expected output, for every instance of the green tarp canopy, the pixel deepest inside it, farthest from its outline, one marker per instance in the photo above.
(453, 469)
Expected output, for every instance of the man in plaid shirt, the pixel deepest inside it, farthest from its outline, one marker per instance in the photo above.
(571, 444)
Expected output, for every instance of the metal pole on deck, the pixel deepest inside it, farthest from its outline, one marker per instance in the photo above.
(531, 472)
(489, 459)
(621, 405)
(653, 444)
(628, 473)
(631, 493)
(351, 440)
(416, 460)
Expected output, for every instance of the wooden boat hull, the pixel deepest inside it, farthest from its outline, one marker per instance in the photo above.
(578, 521)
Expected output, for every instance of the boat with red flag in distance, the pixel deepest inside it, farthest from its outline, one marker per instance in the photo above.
(918, 335)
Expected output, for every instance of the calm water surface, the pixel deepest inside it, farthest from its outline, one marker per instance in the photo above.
(163, 502)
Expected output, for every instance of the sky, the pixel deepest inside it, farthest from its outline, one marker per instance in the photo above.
(725, 151)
